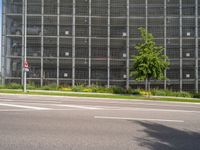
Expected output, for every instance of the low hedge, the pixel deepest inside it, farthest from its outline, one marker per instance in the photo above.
(160, 92)
(100, 89)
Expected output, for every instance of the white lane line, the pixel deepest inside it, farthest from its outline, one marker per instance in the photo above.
(79, 106)
(15, 110)
(173, 111)
(161, 110)
(24, 106)
(138, 119)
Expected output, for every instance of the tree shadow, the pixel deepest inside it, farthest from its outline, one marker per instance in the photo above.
(161, 137)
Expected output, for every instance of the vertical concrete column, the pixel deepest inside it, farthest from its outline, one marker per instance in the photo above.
(42, 45)
(24, 37)
(25, 46)
(146, 26)
(23, 40)
(90, 40)
(146, 14)
(165, 38)
(58, 41)
(181, 47)
(108, 67)
(3, 42)
(73, 42)
(128, 46)
(196, 48)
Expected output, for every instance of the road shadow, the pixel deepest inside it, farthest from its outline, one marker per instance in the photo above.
(161, 137)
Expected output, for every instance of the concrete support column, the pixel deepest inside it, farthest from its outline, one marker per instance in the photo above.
(58, 41)
(23, 40)
(128, 46)
(181, 47)
(3, 43)
(25, 46)
(73, 42)
(196, 48)
(42, 45)
(90, 40)
(146, 26)
(108, 65)
(165, 38)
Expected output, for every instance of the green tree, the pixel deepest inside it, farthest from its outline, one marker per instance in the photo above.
(150, 63)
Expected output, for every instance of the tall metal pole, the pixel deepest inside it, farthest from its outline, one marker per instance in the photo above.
(25, 45)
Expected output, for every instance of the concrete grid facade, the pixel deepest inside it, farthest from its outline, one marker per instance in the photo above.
(71, 42)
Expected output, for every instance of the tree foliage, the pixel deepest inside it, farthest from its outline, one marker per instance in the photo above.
(150, 63)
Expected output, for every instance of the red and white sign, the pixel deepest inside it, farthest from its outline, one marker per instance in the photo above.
(26, 64)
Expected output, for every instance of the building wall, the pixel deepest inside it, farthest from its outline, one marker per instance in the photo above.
(90, 42)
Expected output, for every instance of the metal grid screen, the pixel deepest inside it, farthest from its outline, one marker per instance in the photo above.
(70, 42)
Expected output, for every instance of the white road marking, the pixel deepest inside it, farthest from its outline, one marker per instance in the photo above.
(79, 106)
(16, 110)
(24, 106)
(162, 110)
(138, 119)
(94, 107)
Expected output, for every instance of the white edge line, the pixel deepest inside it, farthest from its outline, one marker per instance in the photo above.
(138, 119)
(24, 106)
(79, 106)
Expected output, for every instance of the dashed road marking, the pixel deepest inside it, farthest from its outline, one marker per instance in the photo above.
(138, 119)
(79, 106)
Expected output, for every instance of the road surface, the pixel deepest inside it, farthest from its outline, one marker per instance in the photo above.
(67, 123)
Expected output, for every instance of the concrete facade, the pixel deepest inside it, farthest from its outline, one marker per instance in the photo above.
(69, 42)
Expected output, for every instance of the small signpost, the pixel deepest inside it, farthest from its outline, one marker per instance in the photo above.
(26, 69)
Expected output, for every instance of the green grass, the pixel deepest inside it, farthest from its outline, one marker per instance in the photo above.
(114, 96)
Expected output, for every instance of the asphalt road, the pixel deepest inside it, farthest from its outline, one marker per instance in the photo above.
(67, 123)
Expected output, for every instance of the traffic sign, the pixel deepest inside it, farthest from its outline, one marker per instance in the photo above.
(26, 64)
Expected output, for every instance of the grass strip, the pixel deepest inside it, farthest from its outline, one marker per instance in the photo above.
(114, 96)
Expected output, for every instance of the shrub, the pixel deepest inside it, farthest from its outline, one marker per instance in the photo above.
(136, 92)
(196, 95)
(160, 92)
(2, 87)
(78, 88)
(14, 86)
(49, 87)
(87, 90)
(119, 90)
(31, 86)
(183, 94)
(103, 90)
(65, 88)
